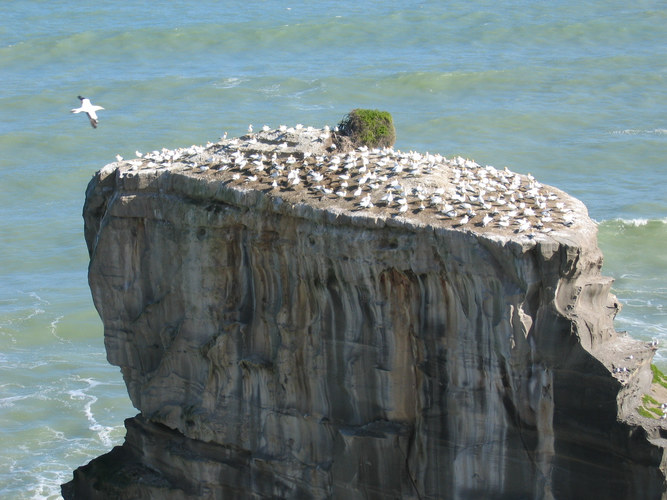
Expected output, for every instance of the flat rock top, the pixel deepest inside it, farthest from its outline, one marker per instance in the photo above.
(300, 165)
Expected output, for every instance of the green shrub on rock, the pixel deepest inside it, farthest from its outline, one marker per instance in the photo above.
(367, 127)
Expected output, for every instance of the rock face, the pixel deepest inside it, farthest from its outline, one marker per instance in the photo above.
(284, 341)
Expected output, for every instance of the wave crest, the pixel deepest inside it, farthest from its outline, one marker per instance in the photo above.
(630, 131)
(638, 222)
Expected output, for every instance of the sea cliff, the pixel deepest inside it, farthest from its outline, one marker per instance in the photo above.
(295, 321)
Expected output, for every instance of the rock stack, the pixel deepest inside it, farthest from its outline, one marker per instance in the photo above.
(297, 322)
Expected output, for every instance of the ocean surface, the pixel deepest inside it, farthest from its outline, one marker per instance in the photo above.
(571, 92)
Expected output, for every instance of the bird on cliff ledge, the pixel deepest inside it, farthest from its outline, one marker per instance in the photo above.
(89, 109)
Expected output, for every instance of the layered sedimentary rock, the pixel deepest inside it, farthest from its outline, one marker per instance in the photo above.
(296, 323)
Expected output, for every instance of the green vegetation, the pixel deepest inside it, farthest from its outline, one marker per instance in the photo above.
(657, 411)
(368, 127)
(644, 412)
(658, 376)
(646, 399)
(651, 407)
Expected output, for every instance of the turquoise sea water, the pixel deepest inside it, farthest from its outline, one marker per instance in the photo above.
(572, 93)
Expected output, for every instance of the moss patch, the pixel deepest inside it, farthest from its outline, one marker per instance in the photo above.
(644, 412)
(651, 407)
(368, 127)
(658, 377)
(648, 400)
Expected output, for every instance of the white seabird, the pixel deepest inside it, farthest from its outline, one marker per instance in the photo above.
(485, 221)
(89, 109)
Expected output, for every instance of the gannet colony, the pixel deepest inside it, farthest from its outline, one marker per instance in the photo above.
(303, 164)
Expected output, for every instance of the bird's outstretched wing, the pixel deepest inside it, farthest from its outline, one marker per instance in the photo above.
(89, 109)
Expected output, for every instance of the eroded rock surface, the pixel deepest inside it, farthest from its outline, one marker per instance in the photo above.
(289, 331)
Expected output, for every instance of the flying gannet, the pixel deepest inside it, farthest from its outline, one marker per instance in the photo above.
(89, 109)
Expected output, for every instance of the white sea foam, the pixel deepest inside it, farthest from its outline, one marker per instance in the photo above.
(35, 312)
(103, 432)
(638, 222)
(37, 297)
(630, 131)
(48, 485)
(229, 83)
(8, 402)
(641, 329)
(58, 435)
(54, 329)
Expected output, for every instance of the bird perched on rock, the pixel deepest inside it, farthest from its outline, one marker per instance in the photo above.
(89, 109)
(486, 220)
